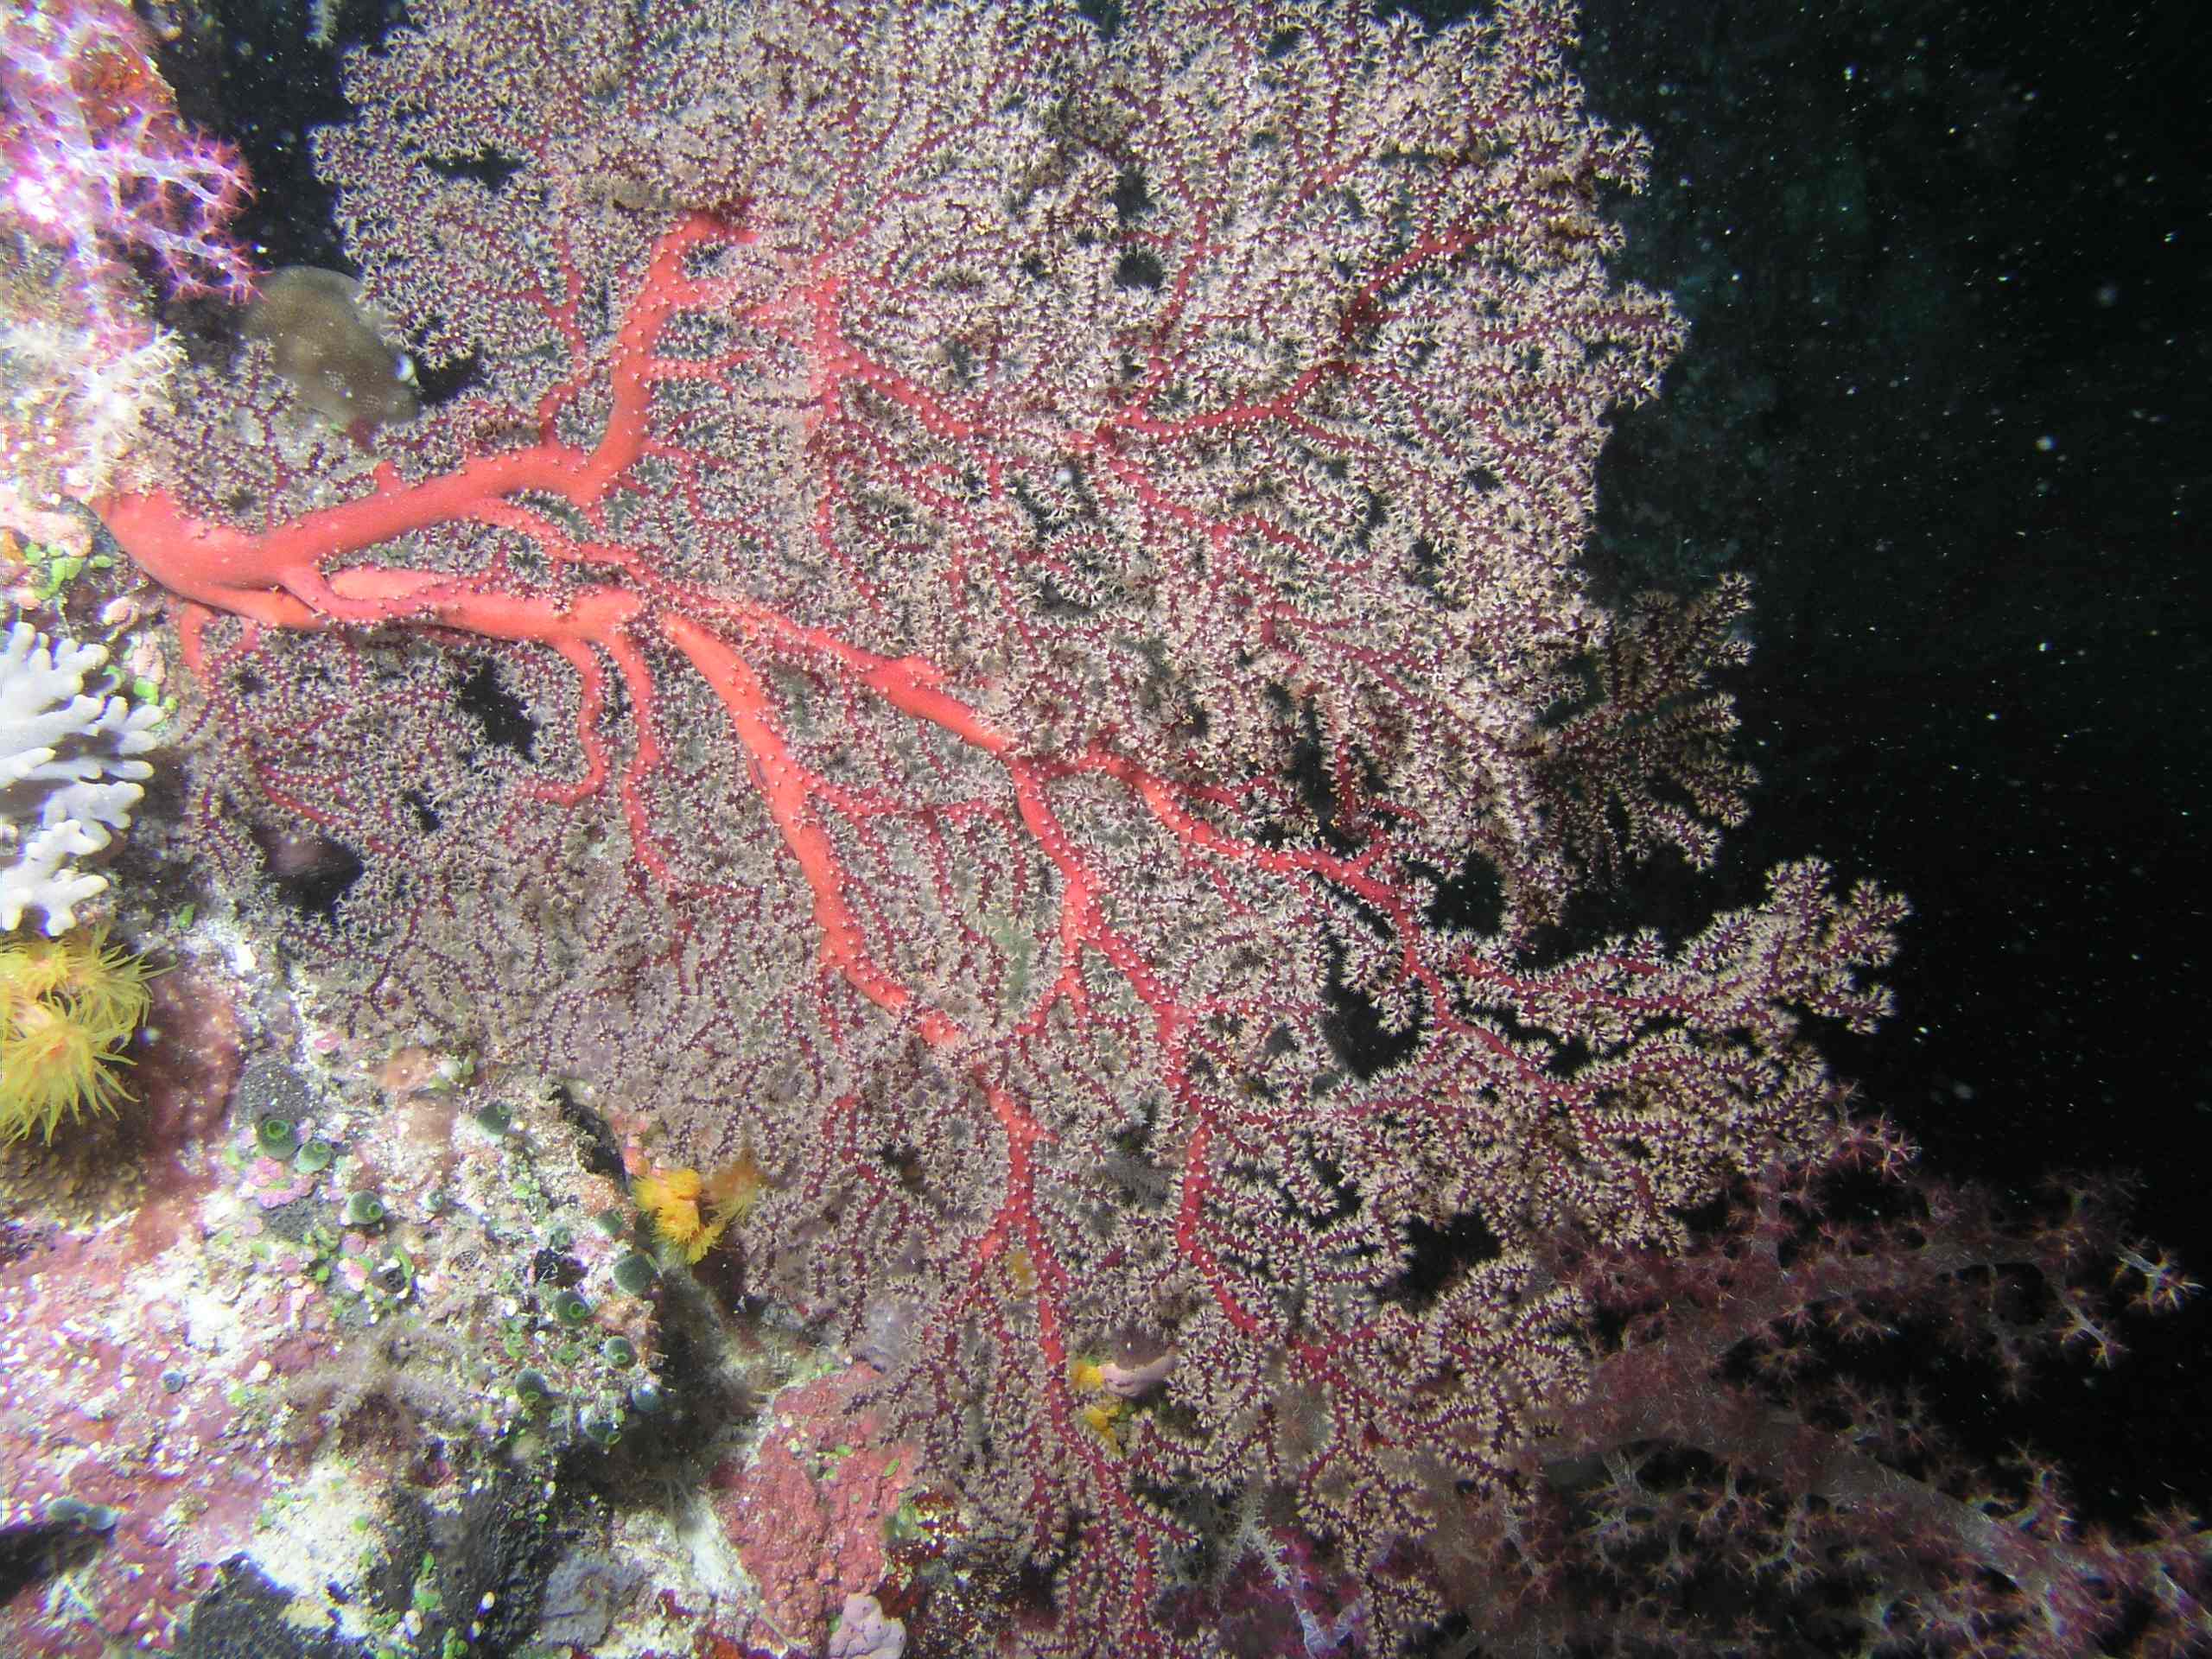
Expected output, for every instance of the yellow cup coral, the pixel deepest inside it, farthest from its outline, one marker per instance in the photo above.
(67, 1007)
(672, 1197)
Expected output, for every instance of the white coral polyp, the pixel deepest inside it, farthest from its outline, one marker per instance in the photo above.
(69, 779)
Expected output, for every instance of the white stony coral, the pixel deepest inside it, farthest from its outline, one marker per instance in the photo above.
(67, 778)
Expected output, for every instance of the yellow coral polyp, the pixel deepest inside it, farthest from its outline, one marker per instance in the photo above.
(673, 1200)
(1103, 1418)
(735, 1188)
(67, 1007)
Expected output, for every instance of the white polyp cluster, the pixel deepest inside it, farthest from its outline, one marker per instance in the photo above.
(68, 778)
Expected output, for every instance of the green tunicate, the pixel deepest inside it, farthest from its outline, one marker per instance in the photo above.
(618, 1350)
(92, 1517)
(647, 1398)
(531, 1387)
(313, 1156)
(363, 1210)
(395, 1275)
(599, 1427)
(276, 1137)
(634, 1273)
(493, 1118)
(559, 1238)
(571, 1308)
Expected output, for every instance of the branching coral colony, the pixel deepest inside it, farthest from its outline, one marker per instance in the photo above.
(993, 591)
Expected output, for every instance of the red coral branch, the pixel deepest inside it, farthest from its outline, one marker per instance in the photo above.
(1050, 547)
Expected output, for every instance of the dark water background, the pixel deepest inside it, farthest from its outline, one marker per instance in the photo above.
(1947, 268)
